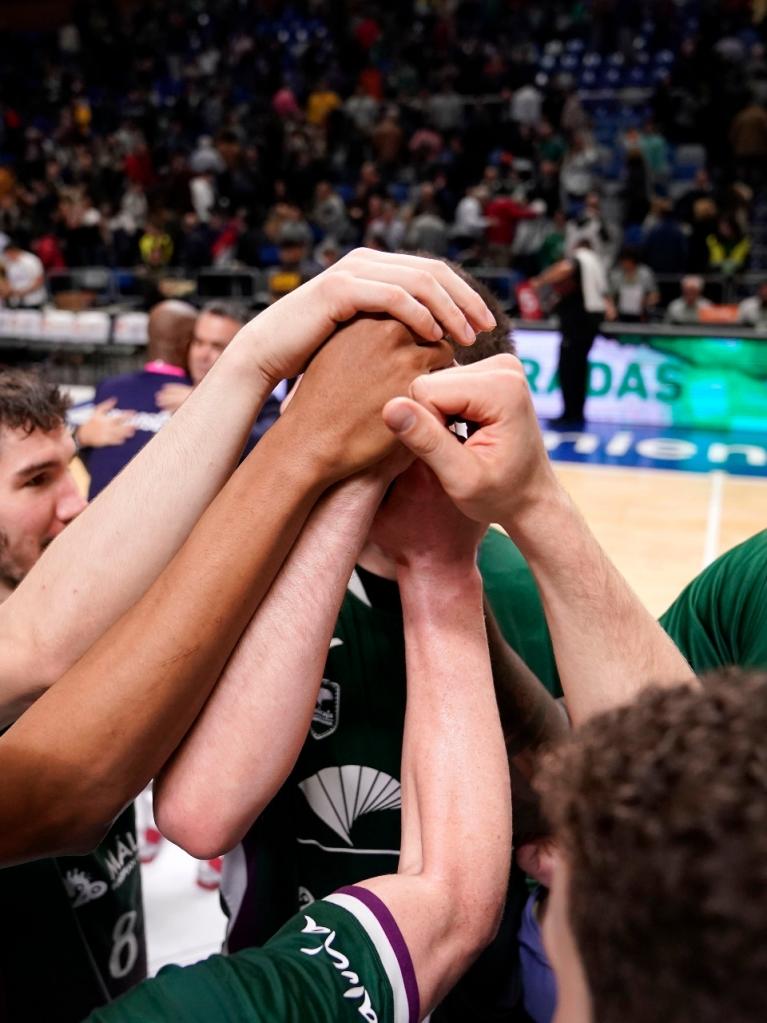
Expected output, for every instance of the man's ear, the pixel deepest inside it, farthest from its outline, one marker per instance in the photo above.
(537, 859)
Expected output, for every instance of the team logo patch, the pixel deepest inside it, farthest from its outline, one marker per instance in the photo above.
(83, 889)
(341, 795)
(327, 710)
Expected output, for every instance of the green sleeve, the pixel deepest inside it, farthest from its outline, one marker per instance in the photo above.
(332, 963)
(720, 619)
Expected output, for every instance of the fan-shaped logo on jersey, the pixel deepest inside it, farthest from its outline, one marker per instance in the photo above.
(341, 795)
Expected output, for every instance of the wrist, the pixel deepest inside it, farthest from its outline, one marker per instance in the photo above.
(362, 489)
(439, 582)
(306, 450)
(81, 437)
(540, 521)
(243, 361)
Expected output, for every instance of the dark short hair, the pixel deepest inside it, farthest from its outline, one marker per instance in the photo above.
(661, 809)
(27, 402)
(498, 341)
(236, 311)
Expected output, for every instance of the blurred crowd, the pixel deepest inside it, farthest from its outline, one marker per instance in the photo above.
(176, 136)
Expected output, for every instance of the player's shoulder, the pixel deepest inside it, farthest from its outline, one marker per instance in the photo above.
(741, 568)
(110, 386)
(733, 581)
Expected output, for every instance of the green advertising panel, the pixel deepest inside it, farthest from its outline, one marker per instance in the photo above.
(658, 380)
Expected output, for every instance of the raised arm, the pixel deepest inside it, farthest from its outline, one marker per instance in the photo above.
(606, 643)
(455, 855)
(415, 512)
(97, 736)
(134, 528)
(232, 762)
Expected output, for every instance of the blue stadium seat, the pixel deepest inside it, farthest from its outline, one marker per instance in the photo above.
(637, 76)
(399, 191)
(268, 255)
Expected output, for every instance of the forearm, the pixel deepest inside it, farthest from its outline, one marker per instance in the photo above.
(232, 762)
(554, 274)
(532, 721)
(454, 756)
(530, 716)
(133, 529)
(607, 645)
(141, 685)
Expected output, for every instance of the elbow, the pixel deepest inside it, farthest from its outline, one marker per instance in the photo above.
(198, 830)
(481, 921)
(69, 833)
(474, 917)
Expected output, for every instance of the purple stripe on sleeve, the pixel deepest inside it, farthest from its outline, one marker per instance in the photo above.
(394, 935)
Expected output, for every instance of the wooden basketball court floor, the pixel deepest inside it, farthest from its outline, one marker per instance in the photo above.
(661, 527)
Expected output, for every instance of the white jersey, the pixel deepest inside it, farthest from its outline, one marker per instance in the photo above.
(593, 280)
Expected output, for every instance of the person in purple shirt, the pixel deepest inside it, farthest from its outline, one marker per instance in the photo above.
(170, 328)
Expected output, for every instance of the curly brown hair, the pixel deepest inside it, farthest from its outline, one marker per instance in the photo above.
(28, 403)
(661, 808)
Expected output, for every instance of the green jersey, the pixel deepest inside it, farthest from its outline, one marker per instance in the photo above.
(720, 619)
(336, 821)
(344, 958)
(72, 933)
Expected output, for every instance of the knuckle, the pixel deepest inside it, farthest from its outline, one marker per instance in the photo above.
(506, 361)
(419, 388)
(336, 279)
(428, 440)
(434, 266)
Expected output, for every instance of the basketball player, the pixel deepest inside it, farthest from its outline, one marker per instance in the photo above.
(658, 896)
(60, 916)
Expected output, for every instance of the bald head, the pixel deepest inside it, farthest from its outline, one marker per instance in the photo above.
(170, 329)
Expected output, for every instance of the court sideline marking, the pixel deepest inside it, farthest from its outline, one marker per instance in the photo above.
(714, 518)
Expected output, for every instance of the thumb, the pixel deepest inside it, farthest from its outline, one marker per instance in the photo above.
(106, 406)
(428, 439)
